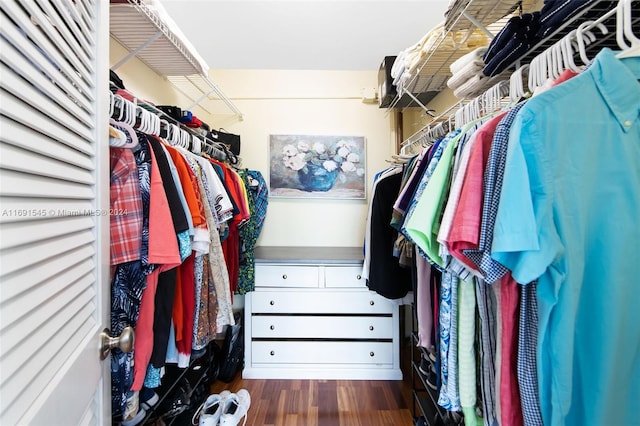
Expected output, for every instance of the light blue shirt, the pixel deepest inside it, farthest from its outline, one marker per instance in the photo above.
(569, 216)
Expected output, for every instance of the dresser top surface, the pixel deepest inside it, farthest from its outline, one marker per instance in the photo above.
(303, 255)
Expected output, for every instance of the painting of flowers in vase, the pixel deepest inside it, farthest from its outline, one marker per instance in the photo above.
(317, 166)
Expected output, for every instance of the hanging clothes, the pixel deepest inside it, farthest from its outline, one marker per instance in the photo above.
(170, 279)
(250, 231)
(559, 222)
(385, 276)
(520, 206)
(127, 287)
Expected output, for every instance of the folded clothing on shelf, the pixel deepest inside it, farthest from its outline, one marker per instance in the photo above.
(188, 119)
(433, 55)
(516, 38)
(556, 12)
(171, 110)
(473, 57)
(466, 67)
(475, 86)
(471, 87)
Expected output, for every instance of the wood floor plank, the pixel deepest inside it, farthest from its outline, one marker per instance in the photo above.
(325, 402)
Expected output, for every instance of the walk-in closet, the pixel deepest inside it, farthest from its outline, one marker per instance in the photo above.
(323, 212)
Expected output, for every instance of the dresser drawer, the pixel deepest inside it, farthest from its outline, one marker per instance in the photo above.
(321, 327)
(320, 302)
(274, 352)
(287, 276)
(343, 276)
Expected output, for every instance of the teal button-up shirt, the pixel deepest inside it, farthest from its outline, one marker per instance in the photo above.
(569, 217)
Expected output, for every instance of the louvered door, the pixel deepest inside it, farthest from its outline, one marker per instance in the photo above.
(54, 227)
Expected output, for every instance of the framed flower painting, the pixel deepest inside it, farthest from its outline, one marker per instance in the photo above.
(305, 166)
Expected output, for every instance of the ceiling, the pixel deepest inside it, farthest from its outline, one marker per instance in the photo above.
(303, 34)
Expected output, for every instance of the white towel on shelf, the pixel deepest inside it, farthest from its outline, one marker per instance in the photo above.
(465, 73)
(472, 87)
(475, 56)
(399, 65)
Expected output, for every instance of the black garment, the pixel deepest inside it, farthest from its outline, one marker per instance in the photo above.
(386, 277)
(162, 316)
(116, 80)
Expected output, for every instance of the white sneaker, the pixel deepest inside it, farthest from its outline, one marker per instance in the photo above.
(211, 409)
(133, 413)
(137, 419)
(236, 408)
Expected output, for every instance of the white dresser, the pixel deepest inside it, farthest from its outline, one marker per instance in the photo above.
(311, 316)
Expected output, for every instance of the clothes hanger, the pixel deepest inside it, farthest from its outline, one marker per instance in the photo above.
(459, 117)
(142, 120)
(154, 124)
(185, 138)
(112, 106)
(172, 130)
(585, 36)
(196, 145)
(624, 29)
(131, 139)
(117, 138)
(131, 112)
(557, 61)
(569, 42)
(516, 86)
(119, 107)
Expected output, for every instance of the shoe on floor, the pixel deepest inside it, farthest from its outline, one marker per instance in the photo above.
(148, 398)
(425, 365)
(236, 408)
(432, 379)
(137, 419)
(427, 369)
(134, 413)
(211, 409)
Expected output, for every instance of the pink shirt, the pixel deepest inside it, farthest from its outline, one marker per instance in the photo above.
(465, 231)
(164, 251)
(510, 405)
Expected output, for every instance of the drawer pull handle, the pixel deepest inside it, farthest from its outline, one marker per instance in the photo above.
(371, 302)
(273, 327)
(272, 353)
(370, 328)
(272, 303)
(284, 277)
(371, 354)
(359, 277)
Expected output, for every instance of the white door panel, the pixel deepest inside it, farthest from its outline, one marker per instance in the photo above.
(54, 238)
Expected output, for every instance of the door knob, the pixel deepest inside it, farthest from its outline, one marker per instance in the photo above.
(124, 341)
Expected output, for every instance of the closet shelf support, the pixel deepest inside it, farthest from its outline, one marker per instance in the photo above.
(427, 110)
(478, 24)
(215, 89)
(136, 51)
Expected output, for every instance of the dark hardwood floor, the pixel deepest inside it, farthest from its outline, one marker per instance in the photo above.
(327, 402)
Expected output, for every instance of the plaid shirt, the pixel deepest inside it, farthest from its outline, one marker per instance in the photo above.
(126, 207)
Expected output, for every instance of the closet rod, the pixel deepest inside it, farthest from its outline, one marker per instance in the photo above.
(417, 136)
(211, 147)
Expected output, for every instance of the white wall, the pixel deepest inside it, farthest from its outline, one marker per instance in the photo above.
(288, 102)
(308, 102)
